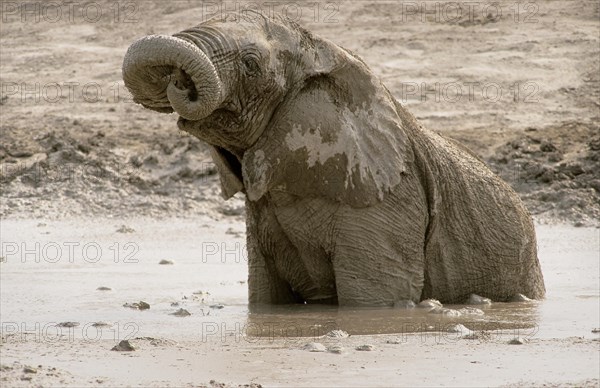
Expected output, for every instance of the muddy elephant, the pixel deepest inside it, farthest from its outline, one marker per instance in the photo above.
(349, 200)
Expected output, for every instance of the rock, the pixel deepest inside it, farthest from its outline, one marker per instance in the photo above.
(232, 208)
(594, 144)
(181, 313)
(461, 329)
(337, 349)
(365, 348)
(217, 306)
(29, 369)
(429, 303)
(234, 232)
(68, 324)
(101, 324)
(394, 341)
(314, 347)
(446, 312)
(516, 341)
(141, 305)
(337, 334)
(175, 304)
(596, 330)
(476, 299)
(166, 262)
(546, 146)
(471, 311)
(520, 298)
(125, 229)
(571, 169)
(104, 288)
(123, 346)
(404, 304)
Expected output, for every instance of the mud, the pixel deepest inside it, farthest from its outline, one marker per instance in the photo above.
(236, 345)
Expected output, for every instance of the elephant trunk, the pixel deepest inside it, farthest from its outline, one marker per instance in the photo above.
(167, 74)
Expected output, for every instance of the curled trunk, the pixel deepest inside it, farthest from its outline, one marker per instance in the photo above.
(167, 74)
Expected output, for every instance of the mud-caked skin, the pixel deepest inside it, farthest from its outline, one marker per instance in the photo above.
(349, 199)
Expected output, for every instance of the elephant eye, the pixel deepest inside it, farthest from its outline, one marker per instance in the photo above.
(250, 64)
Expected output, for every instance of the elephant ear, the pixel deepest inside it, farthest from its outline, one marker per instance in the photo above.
(337, 136)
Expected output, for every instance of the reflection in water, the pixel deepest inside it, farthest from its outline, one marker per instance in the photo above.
(314, 320)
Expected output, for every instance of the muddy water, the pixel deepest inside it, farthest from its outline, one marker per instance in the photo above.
(51, 271)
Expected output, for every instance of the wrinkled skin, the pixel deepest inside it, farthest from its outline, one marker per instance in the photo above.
(349, 199)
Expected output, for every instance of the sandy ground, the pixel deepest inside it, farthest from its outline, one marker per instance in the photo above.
(106, 190)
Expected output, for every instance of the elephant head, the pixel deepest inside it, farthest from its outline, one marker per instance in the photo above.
(283, 110)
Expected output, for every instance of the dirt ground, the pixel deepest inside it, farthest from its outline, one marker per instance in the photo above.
(517, 82)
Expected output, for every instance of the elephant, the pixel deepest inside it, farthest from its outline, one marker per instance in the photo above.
(349, 200)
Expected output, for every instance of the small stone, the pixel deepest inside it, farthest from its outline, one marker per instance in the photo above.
(68, 324)
(520, 298)
(123, 346)
(166, 262)
(125, 229)
(29, 369)
(337, 334)
(596, 330)
(216, 306)
(233, 232)
(175, 304)
(461, 329)
(516, 341)
(394, 341)
(141, 305)
(104, 288)
(476, 299)
(181, 313)
(471, 311)
(337, 349)
(365, 348)
(445, 311)
(314, 347)
(546, 146)
(404, 304)
(429, 303)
